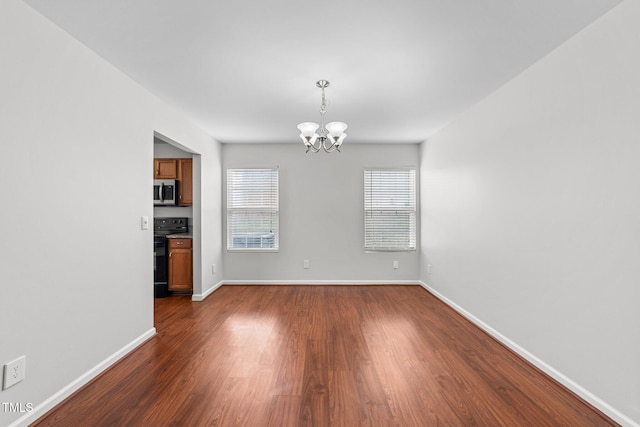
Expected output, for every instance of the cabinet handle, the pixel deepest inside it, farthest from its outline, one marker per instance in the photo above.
(170, 253)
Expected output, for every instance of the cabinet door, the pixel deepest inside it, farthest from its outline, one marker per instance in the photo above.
(185, 175)
(180, 270)
(165, 169)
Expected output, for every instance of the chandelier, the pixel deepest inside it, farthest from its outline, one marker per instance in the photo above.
(330, 136)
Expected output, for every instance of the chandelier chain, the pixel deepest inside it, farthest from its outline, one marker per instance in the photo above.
(323, 110)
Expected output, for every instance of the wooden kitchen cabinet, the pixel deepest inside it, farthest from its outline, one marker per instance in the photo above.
(180, 265)
(180, 169)
(165, 168)
(185, 176)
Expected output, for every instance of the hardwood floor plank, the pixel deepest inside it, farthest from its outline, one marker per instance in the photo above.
(284, 412)
(320, 356)
(344, 406)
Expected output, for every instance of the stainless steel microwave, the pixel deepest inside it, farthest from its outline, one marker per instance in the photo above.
(165, 192)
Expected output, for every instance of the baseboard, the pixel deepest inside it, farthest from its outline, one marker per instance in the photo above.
(205, 294)
(321, 282)
(84, 379)
(576, 388)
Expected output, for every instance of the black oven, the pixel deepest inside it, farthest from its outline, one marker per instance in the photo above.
(160, 267)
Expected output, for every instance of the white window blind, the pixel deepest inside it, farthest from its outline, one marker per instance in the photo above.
(390, 209)
(252, 209)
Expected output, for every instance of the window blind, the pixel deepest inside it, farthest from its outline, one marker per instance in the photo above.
(252, 209)
(390, 209)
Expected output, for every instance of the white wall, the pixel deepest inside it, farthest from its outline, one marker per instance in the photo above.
(531, 211)
(321, 216)
(77, 148)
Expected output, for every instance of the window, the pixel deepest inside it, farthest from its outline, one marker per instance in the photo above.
(252, 209)
(390, 209)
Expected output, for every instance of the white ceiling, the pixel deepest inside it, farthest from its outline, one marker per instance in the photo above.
(245, 70)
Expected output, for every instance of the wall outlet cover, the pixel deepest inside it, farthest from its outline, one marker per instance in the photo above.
(14, 372)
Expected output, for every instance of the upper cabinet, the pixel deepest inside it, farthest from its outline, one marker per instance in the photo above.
(165, 168)
(180, 169)
(185, 176)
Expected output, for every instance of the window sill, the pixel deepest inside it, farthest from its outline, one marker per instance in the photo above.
(253, 250)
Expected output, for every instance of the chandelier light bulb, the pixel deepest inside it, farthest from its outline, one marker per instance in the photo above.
(336, 129)
(308, 129)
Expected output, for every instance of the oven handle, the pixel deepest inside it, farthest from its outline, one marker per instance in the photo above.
(161, 192)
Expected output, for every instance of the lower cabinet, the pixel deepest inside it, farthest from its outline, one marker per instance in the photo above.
(180, 265)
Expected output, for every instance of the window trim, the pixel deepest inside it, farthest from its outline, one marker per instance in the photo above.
(414, 211)
(275, 210)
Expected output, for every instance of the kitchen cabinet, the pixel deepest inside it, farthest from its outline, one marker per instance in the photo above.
(165, 168)
(180, 169)
(180, 265)
(185, 176)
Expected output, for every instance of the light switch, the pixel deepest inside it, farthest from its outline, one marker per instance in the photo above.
(144, 222)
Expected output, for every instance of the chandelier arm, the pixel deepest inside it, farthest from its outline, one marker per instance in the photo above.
(331, 148)
(313, 147)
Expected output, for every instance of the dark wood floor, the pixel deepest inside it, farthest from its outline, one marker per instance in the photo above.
(320, 356)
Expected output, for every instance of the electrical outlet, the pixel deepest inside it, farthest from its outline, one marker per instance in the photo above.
(213, 269)
(305, 263)
(428, 268)
(14, 372)
(396, 265)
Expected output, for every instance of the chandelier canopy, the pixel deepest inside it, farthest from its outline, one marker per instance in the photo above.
(330, 136)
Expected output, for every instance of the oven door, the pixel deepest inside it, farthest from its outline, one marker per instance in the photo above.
(160, 266)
